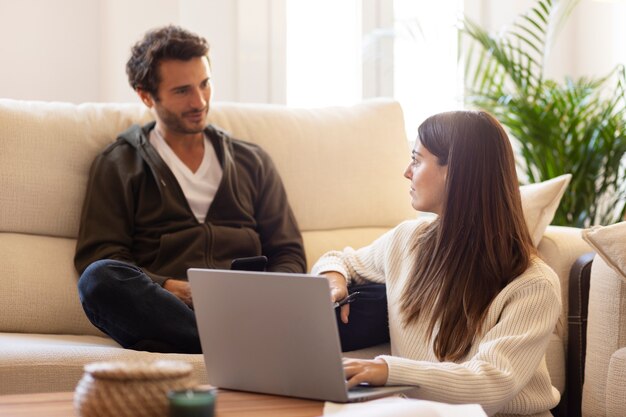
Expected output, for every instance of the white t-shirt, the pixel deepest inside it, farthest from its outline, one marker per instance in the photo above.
(199, 187)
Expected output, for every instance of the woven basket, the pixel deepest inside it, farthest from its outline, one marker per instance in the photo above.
(130, 389)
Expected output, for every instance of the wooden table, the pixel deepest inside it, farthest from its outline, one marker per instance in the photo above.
(229, 403)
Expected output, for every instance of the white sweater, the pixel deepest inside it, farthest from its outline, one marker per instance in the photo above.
(505, 371)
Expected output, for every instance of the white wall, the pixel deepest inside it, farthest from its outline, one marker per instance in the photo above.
(591, 43)
(597, 35)
(247, 46)
(49, 50)
(76, 50)
(122, 23)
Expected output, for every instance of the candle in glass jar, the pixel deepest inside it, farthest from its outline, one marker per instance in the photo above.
(192, 403)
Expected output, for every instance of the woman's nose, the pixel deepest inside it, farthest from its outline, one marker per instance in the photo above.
(408, 173)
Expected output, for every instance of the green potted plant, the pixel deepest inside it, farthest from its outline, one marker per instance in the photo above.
(577, 126)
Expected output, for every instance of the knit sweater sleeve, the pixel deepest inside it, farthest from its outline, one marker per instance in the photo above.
(370, 263)
(506, 358)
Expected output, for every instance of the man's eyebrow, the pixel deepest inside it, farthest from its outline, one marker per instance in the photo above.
(414, 152)
(179, 87)
(206, 80)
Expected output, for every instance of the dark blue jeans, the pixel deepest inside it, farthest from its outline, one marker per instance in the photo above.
(123, 302)
(368, 323)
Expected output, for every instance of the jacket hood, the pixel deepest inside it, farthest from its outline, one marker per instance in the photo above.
(137, 135)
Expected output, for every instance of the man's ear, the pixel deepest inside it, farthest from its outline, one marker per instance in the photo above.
(145, 97)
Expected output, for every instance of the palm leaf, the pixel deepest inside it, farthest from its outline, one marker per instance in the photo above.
(577, 126)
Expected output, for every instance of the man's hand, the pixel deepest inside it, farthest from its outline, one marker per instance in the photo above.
(374, 372)
(180, 289)
(338, 291)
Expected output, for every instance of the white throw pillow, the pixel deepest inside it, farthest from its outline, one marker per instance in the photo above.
(539, 203)
(610, 243)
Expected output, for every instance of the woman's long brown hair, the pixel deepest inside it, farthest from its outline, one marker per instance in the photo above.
(479, 243)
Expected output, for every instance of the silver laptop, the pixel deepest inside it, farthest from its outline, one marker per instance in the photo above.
(272, 333)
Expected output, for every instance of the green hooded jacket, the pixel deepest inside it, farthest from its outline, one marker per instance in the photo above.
(135, 211)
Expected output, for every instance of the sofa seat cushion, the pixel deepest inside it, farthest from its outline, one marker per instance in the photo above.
(32, 363)
(43, 363)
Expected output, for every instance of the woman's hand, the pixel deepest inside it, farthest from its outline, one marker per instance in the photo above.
(338, 291)
(374, 372)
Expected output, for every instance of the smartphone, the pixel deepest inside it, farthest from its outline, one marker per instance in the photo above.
(253, 263)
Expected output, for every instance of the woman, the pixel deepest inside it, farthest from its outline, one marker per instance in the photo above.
(471, 306)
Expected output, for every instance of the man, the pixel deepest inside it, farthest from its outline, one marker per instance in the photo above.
(174, 194)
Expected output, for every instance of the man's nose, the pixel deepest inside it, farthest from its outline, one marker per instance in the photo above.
(198, 100)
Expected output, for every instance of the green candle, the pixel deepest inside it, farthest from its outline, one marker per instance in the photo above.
(192, 403)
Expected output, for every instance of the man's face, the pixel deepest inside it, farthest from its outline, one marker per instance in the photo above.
(184, 95)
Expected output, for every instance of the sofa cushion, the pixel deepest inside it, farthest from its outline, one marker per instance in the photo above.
(39, 292)
(47, 149)
(43, 363)
(606, 331)
(610, 243)
(616, 385)
(540, 201)
(342, 166)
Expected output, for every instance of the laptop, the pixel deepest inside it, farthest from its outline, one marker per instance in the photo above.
(273, 333)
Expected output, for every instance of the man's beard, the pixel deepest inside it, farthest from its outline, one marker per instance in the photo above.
(176, 123)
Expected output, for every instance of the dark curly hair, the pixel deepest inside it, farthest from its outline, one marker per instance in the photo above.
(168, 42)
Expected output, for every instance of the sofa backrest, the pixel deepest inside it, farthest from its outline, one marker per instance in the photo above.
(342, 168)
(47, 149)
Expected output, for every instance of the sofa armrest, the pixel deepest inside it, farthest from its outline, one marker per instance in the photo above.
(616, 384)
(560, 247)
(579, 280)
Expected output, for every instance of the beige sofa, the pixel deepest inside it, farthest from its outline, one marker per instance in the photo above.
(604, 389)
(342, 168)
